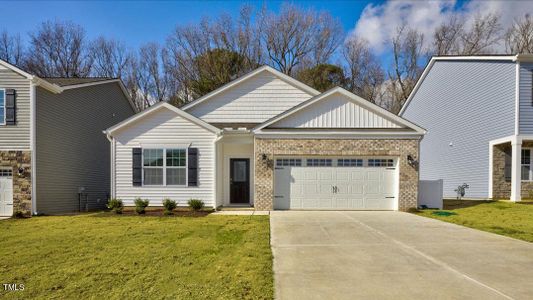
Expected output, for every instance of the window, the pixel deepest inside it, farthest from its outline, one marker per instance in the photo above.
(164, 166)
(526, 164)
(6, 172)
(349, 162)
(293, 162)
(176, 163)
(2, 107)
(319, 162)
(380, 163)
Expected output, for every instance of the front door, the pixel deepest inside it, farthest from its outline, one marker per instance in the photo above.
(239, 180)
(6, 193)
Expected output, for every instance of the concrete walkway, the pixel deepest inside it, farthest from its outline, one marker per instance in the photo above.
(393, 255)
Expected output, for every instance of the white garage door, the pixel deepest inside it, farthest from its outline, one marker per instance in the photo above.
(335, 183)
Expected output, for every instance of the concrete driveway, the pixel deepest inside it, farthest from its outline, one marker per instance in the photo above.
(394, 255)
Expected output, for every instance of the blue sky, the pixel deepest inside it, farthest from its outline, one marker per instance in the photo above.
(138, 22)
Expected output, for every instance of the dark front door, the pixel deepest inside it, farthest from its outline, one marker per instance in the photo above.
(239, 180)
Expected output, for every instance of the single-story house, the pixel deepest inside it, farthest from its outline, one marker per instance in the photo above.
(269, 141)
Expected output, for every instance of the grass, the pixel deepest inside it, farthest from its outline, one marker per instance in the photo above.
(104, 256)
(501, 217)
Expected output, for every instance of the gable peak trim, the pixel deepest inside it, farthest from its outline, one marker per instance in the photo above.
(298, 84)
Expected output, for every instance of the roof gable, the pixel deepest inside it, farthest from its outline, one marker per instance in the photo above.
(338, 109)
(253, 98)
(153, 110)
(245, 77)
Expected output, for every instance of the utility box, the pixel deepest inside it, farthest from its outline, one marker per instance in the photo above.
(430, 193)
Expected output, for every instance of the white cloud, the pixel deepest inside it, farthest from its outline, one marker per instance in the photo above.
(378, 23)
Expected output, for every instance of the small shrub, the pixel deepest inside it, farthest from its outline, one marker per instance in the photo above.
(140, 205)
(196, 204)
(115, 205)
(169, 205)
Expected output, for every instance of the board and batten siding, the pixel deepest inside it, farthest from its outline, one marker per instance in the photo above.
(254, 100)
(16, 137)
(463, 105)
(164, 128)
(526, 98)
(71, 150)
(335, 111)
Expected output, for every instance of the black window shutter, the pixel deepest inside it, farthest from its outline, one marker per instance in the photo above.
(10, 107)
(192, 165)
(137, 166)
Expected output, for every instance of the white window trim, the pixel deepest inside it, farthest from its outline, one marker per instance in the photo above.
(5, 113)
(164, 167)
(530, 165)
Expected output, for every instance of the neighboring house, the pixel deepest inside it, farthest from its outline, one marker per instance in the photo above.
(269, 141)
(478, 111)
(51, 142)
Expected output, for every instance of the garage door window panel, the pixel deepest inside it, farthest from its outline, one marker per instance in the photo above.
(319, 162)
(342, 162)
(381, 163)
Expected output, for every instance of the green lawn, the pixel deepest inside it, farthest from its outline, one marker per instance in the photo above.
(502, 217)
(102, 256)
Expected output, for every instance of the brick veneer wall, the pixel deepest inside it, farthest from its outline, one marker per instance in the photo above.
(264, 171)
(501, 189)
(21, 183)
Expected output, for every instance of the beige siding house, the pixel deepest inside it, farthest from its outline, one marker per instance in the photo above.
(53, 157)
(268, 141)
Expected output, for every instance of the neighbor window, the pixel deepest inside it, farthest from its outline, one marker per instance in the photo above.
(2, 107)
(526, 164)
(164, 166)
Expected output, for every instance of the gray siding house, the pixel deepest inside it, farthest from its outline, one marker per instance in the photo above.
(51, 142)
(478, 112)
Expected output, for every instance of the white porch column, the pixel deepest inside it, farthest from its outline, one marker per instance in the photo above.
(516, 168)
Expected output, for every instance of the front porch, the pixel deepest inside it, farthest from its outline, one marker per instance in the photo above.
(511, 168)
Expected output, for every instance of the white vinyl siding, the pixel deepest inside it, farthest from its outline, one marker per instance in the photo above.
(526, 98)
(335, 111)
(2, 106)
(463, 105)
(254, 100)
(16, 137)
(164, 129)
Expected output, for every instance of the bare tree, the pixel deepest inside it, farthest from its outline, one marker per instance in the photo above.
(519, 37)
(295, 36)
(11, 49)
(152, 80)
(110, 57)
(364, 75)
(59, 49)
(407, 51)
(205, 56)
(456, 36)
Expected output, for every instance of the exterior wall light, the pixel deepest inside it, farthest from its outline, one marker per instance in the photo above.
(412, 161)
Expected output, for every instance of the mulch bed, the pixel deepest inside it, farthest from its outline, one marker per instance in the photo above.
(160, 213)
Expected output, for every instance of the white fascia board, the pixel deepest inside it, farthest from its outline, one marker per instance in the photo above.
(251, 74)
(15, 69)
(333, 134)
(352, 97)
(158, 106)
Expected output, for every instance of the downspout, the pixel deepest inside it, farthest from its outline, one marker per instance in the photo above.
(112, 163)
(33, 147)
